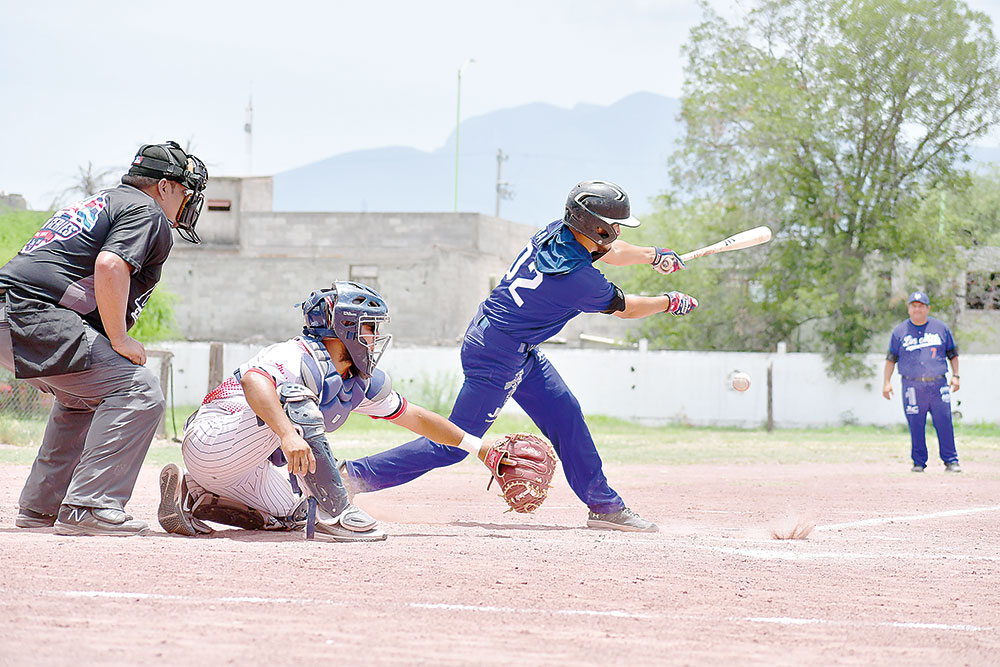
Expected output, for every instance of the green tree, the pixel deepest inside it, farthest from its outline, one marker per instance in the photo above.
(831, 121)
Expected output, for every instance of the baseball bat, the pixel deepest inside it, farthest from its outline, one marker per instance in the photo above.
(747, 239)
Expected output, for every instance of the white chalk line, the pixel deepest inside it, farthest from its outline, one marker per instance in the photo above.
(613, 613)
(778, 554)
(915, 517)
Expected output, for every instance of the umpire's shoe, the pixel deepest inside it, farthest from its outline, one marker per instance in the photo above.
(75, 520)
(31, 519)
(624, 519)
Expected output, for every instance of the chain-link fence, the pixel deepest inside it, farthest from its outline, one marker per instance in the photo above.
(24, 410)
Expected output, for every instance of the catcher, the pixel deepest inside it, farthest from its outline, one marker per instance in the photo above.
(275, 409)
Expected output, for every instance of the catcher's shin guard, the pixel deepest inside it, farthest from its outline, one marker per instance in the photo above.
(325, 485)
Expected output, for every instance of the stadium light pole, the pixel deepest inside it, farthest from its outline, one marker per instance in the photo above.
(458, 122)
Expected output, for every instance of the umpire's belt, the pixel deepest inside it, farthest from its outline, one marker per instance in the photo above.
(497, 337)
(924, 378)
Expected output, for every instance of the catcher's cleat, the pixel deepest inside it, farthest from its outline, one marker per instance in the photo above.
(31, 519)
(353, 525)
(334, 532)
(920, 468)
(174, 513)
(75, 520)
(952, 467)
(624, 519)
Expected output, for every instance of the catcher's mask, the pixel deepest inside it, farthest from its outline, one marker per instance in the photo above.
(351, 313)
(593, 208)
(168, 160)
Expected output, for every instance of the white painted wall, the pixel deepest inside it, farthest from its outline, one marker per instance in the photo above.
(670, 387)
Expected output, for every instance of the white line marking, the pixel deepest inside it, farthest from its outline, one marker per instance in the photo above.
(614, 613)
(915, 517)
(776, 554)
(884, 624)
(512, 610)
(188, 598)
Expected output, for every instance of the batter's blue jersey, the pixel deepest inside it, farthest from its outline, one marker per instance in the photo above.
(532, 306)
(922, 351)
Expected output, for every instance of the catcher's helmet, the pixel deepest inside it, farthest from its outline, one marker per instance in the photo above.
(168, 160)
(594, 207)
(342, 312)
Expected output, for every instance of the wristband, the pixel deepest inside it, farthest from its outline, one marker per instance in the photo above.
(470, 443)
(955, 376)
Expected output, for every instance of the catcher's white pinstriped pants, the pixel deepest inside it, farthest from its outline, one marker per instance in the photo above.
(228, 455)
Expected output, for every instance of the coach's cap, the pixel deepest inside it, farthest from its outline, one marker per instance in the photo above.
(919, 296)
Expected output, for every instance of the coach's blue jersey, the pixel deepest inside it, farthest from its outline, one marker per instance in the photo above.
(532, 306)
(922, 351)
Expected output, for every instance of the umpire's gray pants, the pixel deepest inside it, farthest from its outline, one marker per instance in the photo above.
(98, 433)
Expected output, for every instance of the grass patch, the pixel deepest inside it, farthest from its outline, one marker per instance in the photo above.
(624, 442)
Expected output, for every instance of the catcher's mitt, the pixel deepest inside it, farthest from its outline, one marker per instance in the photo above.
(523, 465)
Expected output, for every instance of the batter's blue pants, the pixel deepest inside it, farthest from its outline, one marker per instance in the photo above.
(497, 369)
(918, 399)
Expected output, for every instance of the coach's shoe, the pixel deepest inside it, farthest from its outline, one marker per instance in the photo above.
(917, 469)
(74, 520)
(624, 519)
(31, 519)
(174, 513)
(952, 467)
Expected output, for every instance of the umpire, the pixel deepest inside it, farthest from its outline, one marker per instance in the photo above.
(67, 301)
(920, 345)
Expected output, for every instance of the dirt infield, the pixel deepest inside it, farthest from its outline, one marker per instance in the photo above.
(902, 569)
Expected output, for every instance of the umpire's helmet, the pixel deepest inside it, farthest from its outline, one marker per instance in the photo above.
(168, 160)
(342, 312)
(594, 207)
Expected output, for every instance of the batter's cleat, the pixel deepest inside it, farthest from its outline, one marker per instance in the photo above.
(917, 469)
(624, 519)
(174, 513)
(952, 467)
(74, 520)
(31, 519)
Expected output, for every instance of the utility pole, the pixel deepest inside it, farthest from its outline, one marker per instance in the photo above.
(248, 130)
(458, 123)
(503, 187)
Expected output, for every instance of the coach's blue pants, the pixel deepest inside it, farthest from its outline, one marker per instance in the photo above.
(497, 369)
(918, 399)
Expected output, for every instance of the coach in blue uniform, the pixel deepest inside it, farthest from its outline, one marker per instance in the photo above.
(921, 345)
(550, 282)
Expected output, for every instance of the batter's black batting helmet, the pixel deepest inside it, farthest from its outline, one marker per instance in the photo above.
(168, 160)
(342, 312)
(594, 207)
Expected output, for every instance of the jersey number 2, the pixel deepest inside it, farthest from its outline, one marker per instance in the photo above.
(522, 283)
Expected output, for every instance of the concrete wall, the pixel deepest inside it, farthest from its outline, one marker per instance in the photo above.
(241, 283)
(667, 387)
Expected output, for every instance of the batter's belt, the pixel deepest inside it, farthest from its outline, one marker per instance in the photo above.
(494, 336)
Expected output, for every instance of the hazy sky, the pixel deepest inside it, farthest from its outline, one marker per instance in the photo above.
(89, 81)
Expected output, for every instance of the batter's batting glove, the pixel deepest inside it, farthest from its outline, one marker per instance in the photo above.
(667, 261)
(680, 303)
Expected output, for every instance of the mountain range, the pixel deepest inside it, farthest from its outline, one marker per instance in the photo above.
(547, 151)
